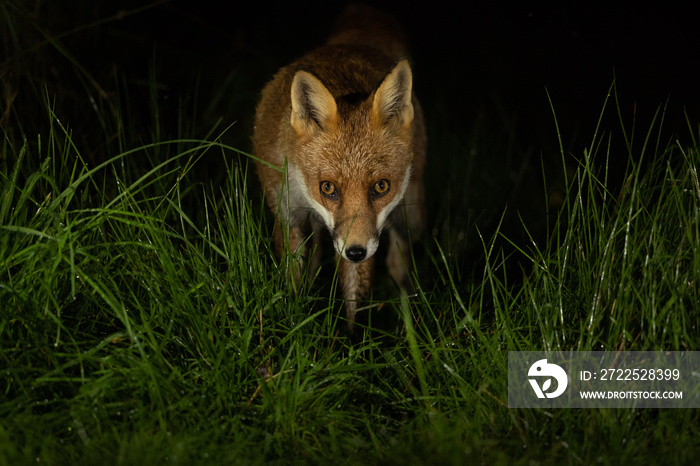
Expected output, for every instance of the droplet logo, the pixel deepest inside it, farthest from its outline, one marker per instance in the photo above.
(542, 369)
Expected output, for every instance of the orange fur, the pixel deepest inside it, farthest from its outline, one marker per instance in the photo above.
(344, 122)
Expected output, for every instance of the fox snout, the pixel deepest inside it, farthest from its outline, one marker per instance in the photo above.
(355, 246)
(355, 253)
(358, 212)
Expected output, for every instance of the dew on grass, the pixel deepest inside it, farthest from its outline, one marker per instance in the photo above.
(263, 372)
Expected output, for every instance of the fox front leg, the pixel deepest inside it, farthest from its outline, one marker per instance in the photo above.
(409, 225)
(292, 255)
(398, 260)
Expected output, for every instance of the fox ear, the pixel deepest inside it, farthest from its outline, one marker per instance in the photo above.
(392, 100)
(313, 106)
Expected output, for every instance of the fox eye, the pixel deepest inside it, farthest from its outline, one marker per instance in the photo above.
(381, 187)
(328, 189)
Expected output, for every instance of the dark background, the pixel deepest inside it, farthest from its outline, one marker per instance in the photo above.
(472, 56)
(468, 57)
(483, 72)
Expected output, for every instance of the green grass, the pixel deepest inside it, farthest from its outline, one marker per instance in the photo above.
(143, 318)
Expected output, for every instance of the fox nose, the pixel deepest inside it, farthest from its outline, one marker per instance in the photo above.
(355, 253)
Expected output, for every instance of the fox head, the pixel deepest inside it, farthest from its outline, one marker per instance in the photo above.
(353, 155)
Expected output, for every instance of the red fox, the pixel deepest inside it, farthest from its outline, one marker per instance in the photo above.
(339, 142)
